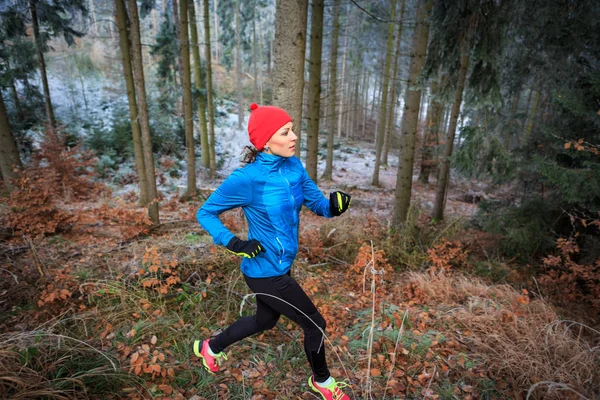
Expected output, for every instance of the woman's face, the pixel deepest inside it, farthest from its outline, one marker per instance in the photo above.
(283, 142)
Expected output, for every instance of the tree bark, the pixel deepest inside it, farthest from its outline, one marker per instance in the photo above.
(9, 153)
(42, 63)
(384, 98)
(289, 53)
(209, 93)
(332, 90)
(140, 87)
(199, 88)
(138, 153)
(410, 115)
(314, 88)
(238, 65)
(188, 114)
(444, 174)
(435, 113)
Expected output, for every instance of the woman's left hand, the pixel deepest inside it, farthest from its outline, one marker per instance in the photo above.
(339, 202)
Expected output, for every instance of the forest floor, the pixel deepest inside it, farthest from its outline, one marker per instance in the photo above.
(110, 308)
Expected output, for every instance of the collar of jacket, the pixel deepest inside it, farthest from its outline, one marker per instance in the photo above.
(270, 161)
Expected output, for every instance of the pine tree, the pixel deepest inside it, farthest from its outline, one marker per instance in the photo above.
(410, 116)
(140, 87)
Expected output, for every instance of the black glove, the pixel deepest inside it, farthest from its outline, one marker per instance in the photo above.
(339, 202)
(245, 248)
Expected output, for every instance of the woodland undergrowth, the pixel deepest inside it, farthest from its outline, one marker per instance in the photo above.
(98, 305)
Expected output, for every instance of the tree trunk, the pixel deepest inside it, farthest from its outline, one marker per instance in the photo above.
(289, 53)
(384, 97)
(432, 126)
(216, 14)
(238, 65)
(254, 56)
(314, 88)
(42, 63)
(410, 115)
(531, 115)
(188, 114)
(394, 89)
(15, 96)
(199, 88)
(9, 153)
(140, 87)
(209, 91)
(333, 90)
(343, 79)
(121, 20)
(178, 57)
(260, 61)
(444, 174)
(365, 105)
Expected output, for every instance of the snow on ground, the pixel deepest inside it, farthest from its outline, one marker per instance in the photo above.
(354, 161)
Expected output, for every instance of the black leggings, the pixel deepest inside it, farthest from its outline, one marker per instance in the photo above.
(268, 311)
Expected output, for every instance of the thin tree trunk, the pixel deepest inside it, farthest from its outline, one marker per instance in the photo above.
(531, 116)
(188, 114)
(178, 58)
(42, 64)
(209, 91)
(314, 88)
(395, 83)
(254, 56)
(333, 90)
(260, 61)
(199, 88)
(432, 126)
(444, 174)
(343, 79)
(216, 15)
(289, 54)
(384, 98)
(9, 153)
(355, 112)
(365, 105)
(121, 20)
(410, 116)
(140, 86)
(15, 96)
(238, 65)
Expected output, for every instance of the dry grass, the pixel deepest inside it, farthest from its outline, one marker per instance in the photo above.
(523, 341)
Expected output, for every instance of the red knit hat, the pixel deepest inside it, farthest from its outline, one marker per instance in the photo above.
(264, 122)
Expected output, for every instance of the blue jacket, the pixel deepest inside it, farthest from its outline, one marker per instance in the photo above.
(271, 191)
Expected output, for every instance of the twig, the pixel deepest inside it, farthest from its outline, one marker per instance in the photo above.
(13, 275)
(431, 380)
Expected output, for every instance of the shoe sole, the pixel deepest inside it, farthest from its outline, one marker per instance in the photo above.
(197, 353)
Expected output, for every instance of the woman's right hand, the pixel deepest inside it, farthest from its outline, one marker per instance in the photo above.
(245, 248)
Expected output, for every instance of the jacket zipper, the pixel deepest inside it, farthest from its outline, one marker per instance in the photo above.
(282, 250)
